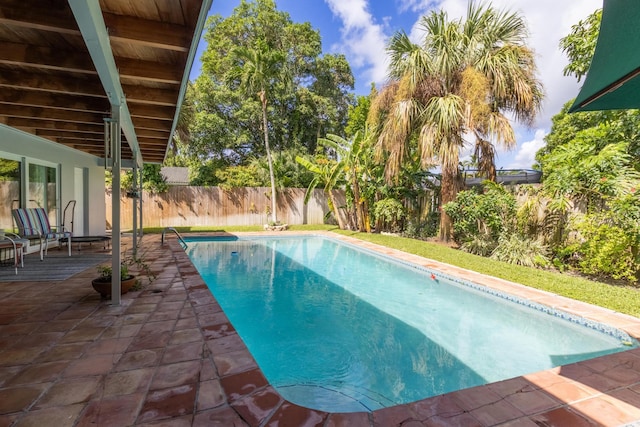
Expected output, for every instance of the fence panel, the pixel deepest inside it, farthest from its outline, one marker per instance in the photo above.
(213, 206)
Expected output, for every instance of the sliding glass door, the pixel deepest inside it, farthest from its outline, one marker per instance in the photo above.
(27, 183)
(10, 194)
(43, 189)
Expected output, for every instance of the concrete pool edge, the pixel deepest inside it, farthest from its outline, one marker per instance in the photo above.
(567, 391)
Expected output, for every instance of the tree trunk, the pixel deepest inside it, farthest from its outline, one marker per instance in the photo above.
(360, 223)
(448, 192)
(336, 213)
(274, 206)
(486, 154)
(366, 216)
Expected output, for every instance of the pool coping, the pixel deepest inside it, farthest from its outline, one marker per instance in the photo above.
(577, 390)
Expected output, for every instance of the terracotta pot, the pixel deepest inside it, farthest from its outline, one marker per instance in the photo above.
(103, 286)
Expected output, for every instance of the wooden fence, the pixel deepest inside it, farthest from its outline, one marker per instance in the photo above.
(213, 206)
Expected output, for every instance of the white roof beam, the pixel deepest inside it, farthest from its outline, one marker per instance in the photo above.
(88, 15)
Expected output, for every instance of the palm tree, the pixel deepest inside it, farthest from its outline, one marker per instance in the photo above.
(460, 80)
(257, 70)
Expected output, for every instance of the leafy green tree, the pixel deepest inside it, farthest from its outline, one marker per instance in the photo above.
(289, 173)
(205, 173)
(152, 179)
(462, 78)
(596, 172)
(228, 125)
(240, 176)
(258, 70)
(589, 170)
(619, 126)
(9, 170)
(358, 113)
(580, 45)
(608, 243)
(390, 213)
(591, 176)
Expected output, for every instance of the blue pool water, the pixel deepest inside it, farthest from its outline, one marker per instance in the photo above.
(340, 329)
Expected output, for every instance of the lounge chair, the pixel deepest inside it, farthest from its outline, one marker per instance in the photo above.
(33, 224)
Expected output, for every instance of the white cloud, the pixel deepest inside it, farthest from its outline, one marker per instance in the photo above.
(525, 156)
(548, 21)
(363, 39)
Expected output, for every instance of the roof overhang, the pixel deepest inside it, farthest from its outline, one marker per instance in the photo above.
(65, 66)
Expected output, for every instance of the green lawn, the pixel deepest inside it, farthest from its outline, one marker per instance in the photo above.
(617, 298)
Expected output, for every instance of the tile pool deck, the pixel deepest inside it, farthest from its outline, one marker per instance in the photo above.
(168, 356)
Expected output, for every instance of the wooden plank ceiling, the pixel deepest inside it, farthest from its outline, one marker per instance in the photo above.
(49, 86)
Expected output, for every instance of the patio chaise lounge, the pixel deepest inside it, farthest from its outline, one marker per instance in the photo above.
(33, 224)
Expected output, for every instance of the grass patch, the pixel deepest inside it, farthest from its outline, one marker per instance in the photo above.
(618, 298)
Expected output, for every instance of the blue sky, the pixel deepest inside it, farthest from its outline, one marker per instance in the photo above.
(360, 29)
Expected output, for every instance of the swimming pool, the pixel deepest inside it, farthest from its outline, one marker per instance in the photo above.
(340, 329)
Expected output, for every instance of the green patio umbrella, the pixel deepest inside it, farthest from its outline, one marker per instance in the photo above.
(613, 79)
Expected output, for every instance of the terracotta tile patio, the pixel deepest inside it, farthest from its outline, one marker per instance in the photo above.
(169, 356)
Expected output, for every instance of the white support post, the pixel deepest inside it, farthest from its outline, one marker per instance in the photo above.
(116, 153)
(140, 206)
(135, 208)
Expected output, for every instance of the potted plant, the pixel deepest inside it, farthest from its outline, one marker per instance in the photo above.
(128, 281)
(102, 283)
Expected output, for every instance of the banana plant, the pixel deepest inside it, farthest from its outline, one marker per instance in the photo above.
(346, 169)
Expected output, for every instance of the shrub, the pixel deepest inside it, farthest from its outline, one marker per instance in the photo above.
(391, 213)
(423, 228)
(481, 245)
(516, 249)
(486, 214)
(605, 249)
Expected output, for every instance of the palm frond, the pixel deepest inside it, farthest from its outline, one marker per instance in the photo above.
(498, 128)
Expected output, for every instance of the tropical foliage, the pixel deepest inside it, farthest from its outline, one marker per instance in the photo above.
(258, 70)
(485, 215)
(591, 170)
(227, 123)
(271, 110)
(343, 166)
(580, 44)
(463, 78)
(150, 176)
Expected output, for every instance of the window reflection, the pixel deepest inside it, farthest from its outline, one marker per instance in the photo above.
(42, 189)
(9, 191)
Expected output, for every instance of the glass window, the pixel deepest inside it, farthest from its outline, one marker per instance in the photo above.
(9, 191)
(43, 189)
